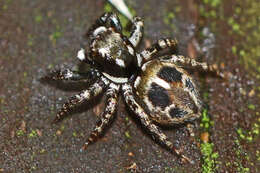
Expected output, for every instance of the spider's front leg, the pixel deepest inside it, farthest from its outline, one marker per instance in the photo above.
(190, 62)
(155, 131)
(83, 96)
(107, 114)
(137, 31)
(161, 44)
(68, 74)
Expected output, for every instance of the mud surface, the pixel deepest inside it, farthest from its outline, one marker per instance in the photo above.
(37, 36)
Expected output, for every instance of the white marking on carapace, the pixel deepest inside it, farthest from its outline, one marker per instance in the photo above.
(81, 54)
(116, 79)
(98, 30)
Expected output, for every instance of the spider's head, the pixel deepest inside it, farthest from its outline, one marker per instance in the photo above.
(110, 50)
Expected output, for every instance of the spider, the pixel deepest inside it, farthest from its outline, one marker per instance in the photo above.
(156, 89)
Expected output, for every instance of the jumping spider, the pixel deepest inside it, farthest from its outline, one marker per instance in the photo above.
(158, 90)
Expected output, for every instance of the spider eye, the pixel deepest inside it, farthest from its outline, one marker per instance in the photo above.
(111, 20)
(115, 22)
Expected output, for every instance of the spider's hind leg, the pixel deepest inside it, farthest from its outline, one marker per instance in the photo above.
(161, 44)
(154, 130)
(83, 96)
(107, 114)
(202, 66)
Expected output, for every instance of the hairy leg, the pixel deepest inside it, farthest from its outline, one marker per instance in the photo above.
(106, 116)
(137, 31)
(190, 62)
(155, 131)
(83, 96)
(161, 44)
(68, 74)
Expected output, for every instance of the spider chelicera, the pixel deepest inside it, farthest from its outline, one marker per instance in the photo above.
(156, 89)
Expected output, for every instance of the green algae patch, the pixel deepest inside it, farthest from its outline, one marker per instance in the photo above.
(240, 154)
(32, 134)
(249, 135)
(20, 133)
(209, 157)
(127, 134)
(247, 29)
(207, 148)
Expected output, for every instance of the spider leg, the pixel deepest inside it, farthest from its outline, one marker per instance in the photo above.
(106, 116)
(137, 31)
(190, 62)
(68, 74)
(161, 44)
(83, 96)
(155, 131)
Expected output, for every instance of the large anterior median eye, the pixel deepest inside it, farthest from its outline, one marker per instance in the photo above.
(114, 21)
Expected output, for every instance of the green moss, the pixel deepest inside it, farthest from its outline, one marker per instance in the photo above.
(62, 127)
(168, 20)
(258, 155)
(20, 133)
(241, 133)
(42, 151)
(6, 4)
(29, 40)
(209, 157)
(38, 18)
(74, 134)
(247, 27)
(251, 106)
(212, 3)
(55, 35)
(108, 7)
(255, 129)
(32, 134)
(127, 134)
(249, 135)
(240, 155)
(234, 49)
(205, 120)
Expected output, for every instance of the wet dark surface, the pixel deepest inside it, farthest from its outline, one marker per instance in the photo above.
(37, 36)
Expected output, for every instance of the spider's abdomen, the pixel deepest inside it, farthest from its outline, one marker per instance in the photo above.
(168, 92)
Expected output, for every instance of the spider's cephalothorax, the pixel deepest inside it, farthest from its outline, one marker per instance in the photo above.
(111, 51)
(157, 89)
